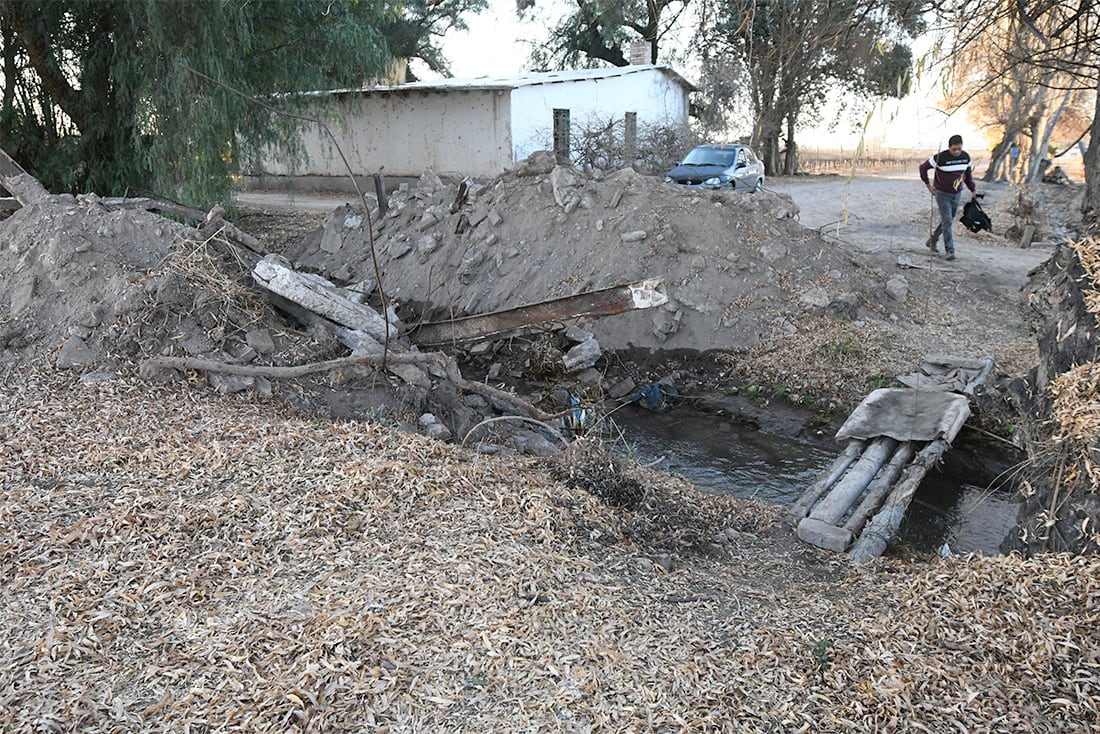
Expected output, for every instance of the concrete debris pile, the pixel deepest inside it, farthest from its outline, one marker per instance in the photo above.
(97, 289)
(736, 267)
(103, 286)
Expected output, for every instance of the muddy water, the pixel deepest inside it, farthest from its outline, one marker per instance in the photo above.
(730, 458)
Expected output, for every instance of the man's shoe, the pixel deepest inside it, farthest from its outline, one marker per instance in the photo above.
(931, 245)
(950, 256)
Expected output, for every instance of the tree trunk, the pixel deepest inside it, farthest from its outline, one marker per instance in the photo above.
(997, 158)
(1040, 143)
(767, 141)
(790, 160)
(1090, 207)
(7, 112)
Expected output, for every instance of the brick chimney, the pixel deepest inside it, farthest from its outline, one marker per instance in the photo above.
(641, 53)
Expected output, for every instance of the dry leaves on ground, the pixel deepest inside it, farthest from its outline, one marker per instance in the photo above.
(177, 561)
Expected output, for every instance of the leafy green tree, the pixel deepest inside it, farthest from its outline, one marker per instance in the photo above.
(598, 30)
(413, 28)
(98, 97)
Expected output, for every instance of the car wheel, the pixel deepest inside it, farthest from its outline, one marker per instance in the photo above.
(759, 185)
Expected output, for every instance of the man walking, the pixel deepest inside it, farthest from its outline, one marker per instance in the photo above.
(953, 170)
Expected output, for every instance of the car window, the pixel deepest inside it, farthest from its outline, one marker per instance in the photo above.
(709, 157)
(751, 156)
(741, 157)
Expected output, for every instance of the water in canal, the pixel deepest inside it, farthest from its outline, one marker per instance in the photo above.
(728, 458)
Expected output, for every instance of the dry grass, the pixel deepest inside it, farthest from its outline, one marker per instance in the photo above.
(174, 561)
(1088, 254)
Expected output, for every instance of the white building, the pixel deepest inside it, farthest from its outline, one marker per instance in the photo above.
(477, 127)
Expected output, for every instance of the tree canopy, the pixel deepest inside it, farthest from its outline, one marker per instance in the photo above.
(413, 28)
(97, 97)
(1043, 58)
(597, 31)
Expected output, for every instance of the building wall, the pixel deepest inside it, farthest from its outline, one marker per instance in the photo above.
(454, 133)
(652, 94)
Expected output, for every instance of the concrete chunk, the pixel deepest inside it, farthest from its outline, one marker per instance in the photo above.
(582, 356)
(824, 535)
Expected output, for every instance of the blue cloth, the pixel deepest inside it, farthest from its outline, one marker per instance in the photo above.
(654, 396)
(948, 205)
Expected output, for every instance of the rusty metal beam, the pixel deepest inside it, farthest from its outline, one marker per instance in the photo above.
(593, 304)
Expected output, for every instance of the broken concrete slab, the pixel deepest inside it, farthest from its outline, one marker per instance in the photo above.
(321, 297)
(824, 535)
(582, 356)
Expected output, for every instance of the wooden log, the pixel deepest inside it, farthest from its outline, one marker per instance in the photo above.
(831, 509)
(824, 481)
(987, 369)
(884, 525)
(881, 487)
(322, 298)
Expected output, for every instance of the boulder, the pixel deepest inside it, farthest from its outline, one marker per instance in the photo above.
(538, 163)
(898, 288)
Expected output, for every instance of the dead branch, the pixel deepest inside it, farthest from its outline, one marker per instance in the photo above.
(448, 363)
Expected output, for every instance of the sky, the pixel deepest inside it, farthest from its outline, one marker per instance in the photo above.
(498, 43)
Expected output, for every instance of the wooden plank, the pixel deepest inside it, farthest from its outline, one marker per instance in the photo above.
(824, 481)
(836, 504)
(593, 304)
(881, 487)
(24, 187)
(317, 295)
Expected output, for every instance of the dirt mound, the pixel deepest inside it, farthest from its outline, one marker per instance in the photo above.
(68, 266)
(100, 285)
(737, 267)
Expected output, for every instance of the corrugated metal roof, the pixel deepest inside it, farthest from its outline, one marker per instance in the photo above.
(515, 81)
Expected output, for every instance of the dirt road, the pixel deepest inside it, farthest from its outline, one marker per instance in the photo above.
(889, 215)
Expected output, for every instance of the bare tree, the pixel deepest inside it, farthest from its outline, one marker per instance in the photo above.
(1053, 48)
(795, 53)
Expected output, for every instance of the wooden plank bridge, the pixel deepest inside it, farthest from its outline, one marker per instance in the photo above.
(893, 438)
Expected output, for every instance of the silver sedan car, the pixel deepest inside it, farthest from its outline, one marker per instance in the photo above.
(719, 167)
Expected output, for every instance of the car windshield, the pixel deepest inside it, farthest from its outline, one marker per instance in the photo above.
(709, 157)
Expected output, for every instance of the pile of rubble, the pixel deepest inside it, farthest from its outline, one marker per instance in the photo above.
(736, 267)
(98, 284)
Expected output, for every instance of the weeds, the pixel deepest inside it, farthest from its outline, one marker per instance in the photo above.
(821, 655)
